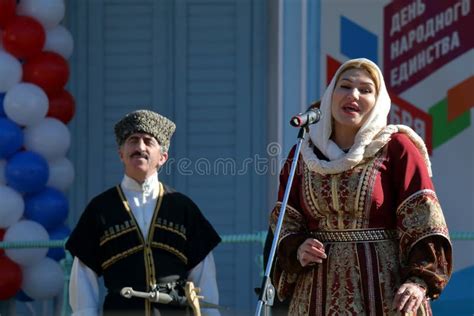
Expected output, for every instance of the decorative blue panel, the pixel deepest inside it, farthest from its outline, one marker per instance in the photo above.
(357, 41)
(218, 106)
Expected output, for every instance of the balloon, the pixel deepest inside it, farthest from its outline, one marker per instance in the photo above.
(43, 280)
(2, 234)
(10, 71)
(11, 138)
(59, 40)
(23, 37)
(26, 230)
(61, 174)
(7, 11)
(27, 172)
(61, 106)
(48, 70)
(48, 12)
(26, 104)
(2, 111)
(50, 138)
(12, 207)
(22, 297)
(48, 207)
(3, 163)
(10, 278)
(59, 233)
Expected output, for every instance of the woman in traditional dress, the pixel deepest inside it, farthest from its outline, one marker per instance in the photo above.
(364, 233)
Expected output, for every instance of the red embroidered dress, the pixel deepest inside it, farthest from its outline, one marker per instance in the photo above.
(387, 200)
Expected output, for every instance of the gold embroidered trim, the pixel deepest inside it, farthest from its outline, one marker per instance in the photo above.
(359, 198)
(149, 262)
(309, 191)
(288, 207)
(335, 200)
(148, 259)
(370, 177)
(126, 205)
(170, 249)
(124, 199)
(355, 235)
(156, 211)
(292, 221)
(108, 238)
(119, 256)
(415, 195)
(175, 231)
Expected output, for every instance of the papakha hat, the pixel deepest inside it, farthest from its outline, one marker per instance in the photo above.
(145, 121)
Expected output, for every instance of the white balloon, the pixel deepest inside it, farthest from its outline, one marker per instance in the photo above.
(43, 280)
(10, 71)
(3, 163)
(12, 206)
(61, 174)
(49, 138)
(26, 230)
(26, 104)
(48, 12)
(59, 40)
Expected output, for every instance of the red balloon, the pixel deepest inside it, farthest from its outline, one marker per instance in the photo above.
(48, 70)
(2, 233)
(62, 106)
(7, 11)
(23, 37)
(10, 278)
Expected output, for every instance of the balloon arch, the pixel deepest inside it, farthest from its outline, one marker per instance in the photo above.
(34, 140)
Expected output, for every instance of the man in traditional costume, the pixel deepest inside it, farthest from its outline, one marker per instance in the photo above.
(141, 231)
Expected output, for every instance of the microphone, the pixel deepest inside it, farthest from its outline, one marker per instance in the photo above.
(309, 117)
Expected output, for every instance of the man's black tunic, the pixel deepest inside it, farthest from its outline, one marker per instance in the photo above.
(108, 240)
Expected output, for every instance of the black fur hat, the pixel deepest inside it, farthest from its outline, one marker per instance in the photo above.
(145, 121)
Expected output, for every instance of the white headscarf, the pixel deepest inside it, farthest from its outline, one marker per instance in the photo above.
(371, 137)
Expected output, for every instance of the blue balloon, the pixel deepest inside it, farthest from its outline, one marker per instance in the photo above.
(22, 297)
(2, 110)
(58, 233)
(48, 207)
(11, 137)
(27, 172)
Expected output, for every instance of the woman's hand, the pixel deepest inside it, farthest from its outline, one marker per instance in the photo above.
(310, 251)
(409, 297)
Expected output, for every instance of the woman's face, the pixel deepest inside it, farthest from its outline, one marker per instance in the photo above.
(353, 98)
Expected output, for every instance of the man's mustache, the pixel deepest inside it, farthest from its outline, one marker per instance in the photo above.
(140, 154)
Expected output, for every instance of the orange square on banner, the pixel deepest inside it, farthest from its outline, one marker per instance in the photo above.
(460, 98)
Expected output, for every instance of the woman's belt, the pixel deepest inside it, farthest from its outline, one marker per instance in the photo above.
(358, 235)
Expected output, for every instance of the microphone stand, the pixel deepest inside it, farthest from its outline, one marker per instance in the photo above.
(267, 293)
